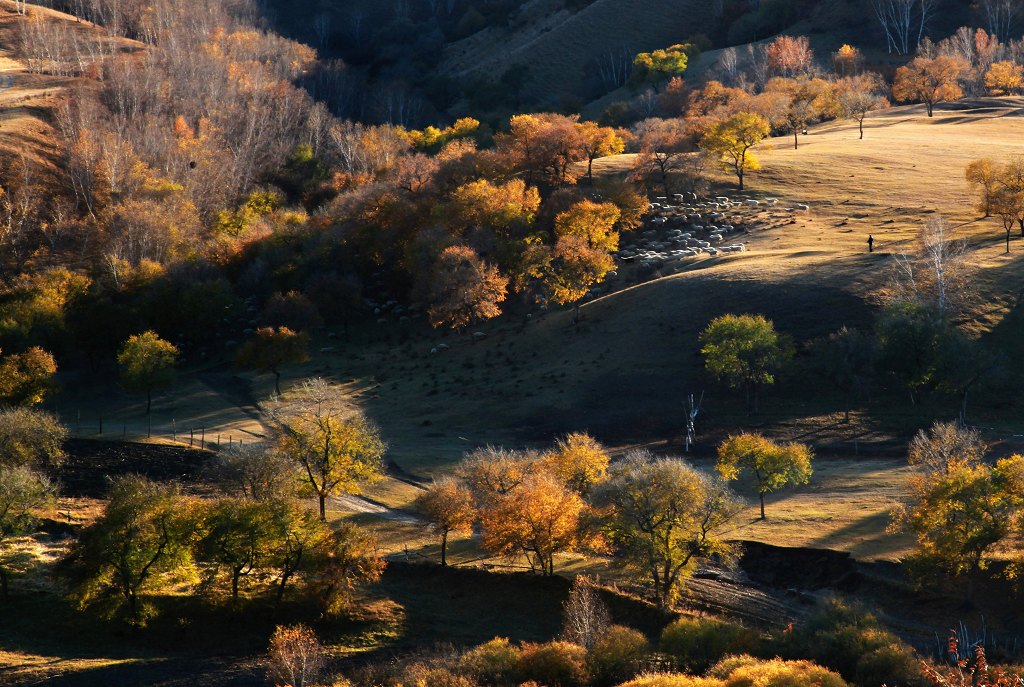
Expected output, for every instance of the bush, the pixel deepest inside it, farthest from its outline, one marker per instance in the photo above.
(892, 664)
(491, 663)
(615, 654)
(779, 673)
(727, 665)
(555, 664)
(851, 642)
(423, 675)
(698, 643)
(672, 680)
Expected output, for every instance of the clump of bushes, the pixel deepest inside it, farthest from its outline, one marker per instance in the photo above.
(554, 664)
(748, 672)
(698, 643)
(616, 654)
(853, 643)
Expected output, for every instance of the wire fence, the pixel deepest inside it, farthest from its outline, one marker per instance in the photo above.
(191, 432)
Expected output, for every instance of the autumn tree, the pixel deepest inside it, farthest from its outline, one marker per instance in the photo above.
(335, 447)
(573, 268)
(730, 141)
(667, 148)
(578, 460)
(961, 509)
(1004, 78)
(432, 139)
(31, 437)
(147, 363)
(142, 541)
(805, 99)
(27, 378)
(543, 147)
(599, 141)
(929, 80)
(772, 465)
(23, 494)
(983, 177)
(347, 559)
(790, 56)
(663, 517)
(538, 519)
(506, 209)
(464, 289)
(848, 60)
(745, 351)
(448, 506)
(491, 472)
(594, 222)
(861, 95)
(271, 349)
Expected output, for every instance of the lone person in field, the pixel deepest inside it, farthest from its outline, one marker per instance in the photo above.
(871, 243)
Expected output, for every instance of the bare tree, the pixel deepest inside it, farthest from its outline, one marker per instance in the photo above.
(1000, 15)
(938, 275)
(728, 64)
(904, 22)
(585, 616)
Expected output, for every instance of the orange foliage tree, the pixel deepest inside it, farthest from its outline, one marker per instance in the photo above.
(929, 80)
(464, 289)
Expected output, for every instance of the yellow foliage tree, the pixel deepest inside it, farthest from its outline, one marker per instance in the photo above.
(1004, 78)
(731, 140)
(464, 289)
(773, 465)
(578, 460)
(594, 222)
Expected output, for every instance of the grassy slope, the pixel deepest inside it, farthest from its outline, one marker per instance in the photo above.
(557, 46)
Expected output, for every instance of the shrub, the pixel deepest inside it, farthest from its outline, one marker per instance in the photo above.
(779, 673)
(672, 680)
(727, 665)
(491, 663)
(295, 656)
(555, 664)
(892, 664)
(615, 654)
(423, 675)
(698, 643)
(851, 642)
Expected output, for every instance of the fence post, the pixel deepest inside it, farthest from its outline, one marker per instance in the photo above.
(202, 437)
(174, 431)
(149, 426)
(191, 434)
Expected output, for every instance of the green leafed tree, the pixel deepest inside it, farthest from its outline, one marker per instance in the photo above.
(773, 465)
(31, 437)
(23, 493)
(745, 351)
(147, 364)
(273, 348)
(141, 543)
(663, 517)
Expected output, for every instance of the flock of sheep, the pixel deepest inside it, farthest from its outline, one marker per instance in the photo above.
(691, 227)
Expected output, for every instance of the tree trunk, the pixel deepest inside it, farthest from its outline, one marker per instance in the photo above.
(323, 508)
(590, 170)
(277, 382)
(149, 400)
(3, 583)
(444, 550)
(235, 574)
(862, 128)
(1007, 241)
(796, 138)
(739, 174)
(929, 106)
(761, 494)
(1020, 221)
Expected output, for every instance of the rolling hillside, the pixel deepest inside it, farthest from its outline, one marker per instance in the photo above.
(559, 47)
